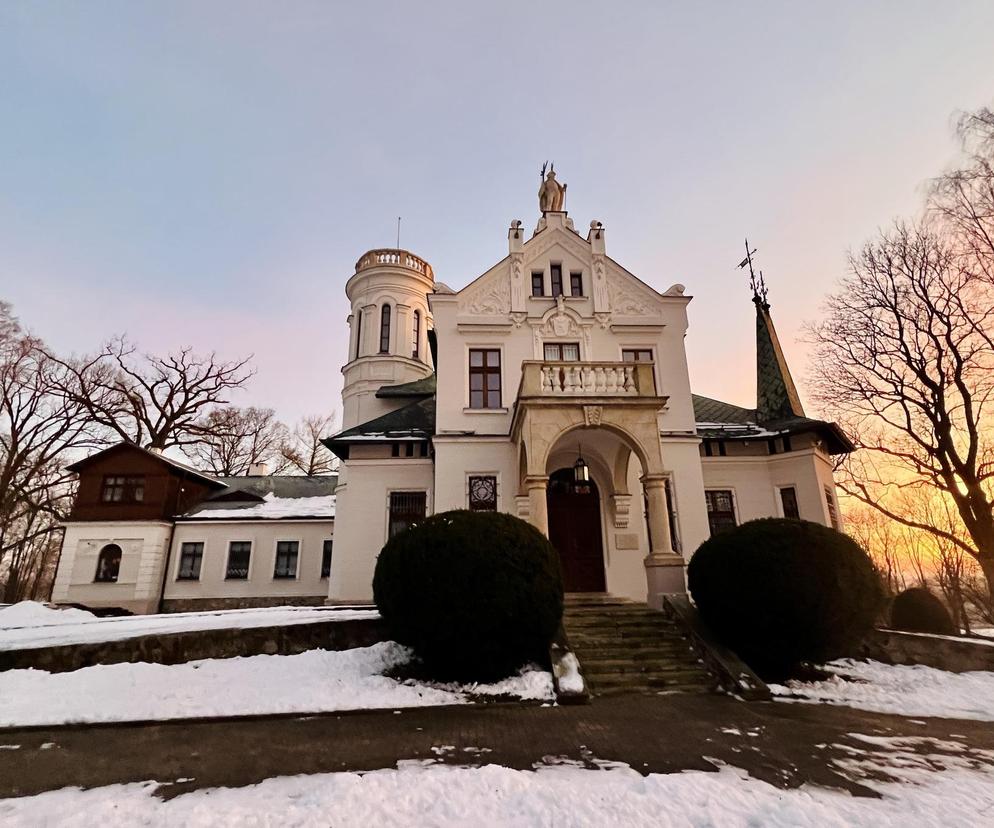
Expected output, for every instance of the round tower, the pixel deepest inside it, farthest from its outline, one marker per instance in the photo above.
(388, 330)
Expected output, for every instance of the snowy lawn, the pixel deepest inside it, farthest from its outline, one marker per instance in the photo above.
(904, 690)
(311, 682)
(30, 624)
(492, 795)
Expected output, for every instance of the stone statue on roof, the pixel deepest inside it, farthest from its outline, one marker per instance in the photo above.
(551, 194)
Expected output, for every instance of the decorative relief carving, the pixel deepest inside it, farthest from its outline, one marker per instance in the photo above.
(517, 282)
(627, 299)
(592, 415)
(492, 298)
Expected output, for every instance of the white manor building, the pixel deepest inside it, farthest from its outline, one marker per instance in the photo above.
(553, 387)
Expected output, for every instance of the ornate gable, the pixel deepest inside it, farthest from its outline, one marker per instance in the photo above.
(489, 295)
(628, 296)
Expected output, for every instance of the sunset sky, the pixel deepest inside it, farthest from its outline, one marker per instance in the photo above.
(208, 173)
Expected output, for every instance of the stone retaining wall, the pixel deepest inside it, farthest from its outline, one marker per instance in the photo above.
(176, 648)
(211, 604)
(958, 655)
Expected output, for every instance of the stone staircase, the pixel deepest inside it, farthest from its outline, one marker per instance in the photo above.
(626, 647)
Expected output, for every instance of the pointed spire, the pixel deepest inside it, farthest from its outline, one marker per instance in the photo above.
(776, 394)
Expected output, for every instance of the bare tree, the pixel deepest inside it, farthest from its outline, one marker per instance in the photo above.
(152, 401)
(233, 439)
(40, 426)
(305, 451)
(904, 358)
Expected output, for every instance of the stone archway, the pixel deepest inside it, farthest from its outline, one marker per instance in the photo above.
(575, 531)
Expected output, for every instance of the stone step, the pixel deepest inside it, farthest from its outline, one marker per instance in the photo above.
(606, 663)
(666, 650)
(635, 626)
(605, 685)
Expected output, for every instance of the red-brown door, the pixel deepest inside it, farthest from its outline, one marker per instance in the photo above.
(575, 531)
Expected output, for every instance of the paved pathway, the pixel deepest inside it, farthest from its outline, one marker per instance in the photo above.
(784, 744)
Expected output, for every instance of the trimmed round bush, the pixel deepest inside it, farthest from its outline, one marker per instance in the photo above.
(918, 610)
(781, 592)
(475, 594)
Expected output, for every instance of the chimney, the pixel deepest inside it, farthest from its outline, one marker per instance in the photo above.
(258, 470)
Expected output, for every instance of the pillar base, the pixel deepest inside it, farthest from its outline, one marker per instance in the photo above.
(664, 575)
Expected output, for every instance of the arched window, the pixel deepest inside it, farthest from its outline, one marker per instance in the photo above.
(108, 563)
(358, 333)
(385, 330)
(416, 344)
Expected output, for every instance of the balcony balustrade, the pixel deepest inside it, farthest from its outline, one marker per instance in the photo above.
(587, 379)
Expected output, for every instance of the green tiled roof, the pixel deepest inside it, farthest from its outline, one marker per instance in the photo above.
(424, 387)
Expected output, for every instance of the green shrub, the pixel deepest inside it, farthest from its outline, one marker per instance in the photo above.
(918, 610)
(782, 592)
(475, 594)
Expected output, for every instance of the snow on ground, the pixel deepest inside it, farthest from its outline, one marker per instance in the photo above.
(311, 682)
(904, 690)
(439, 795)
(30, 624)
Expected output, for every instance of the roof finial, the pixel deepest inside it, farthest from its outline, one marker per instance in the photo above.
(757, 283)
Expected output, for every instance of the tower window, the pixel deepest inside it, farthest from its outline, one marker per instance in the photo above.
(358, 333)
(385, 329)
(576, 283)
(556, 271)
(416, 344)
(788, 499)
(538, 283)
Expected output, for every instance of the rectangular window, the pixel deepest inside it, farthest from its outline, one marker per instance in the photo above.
(406, 509)
(562, 351)
(556, 274)
(484, 378)
(326, 558)
(833, 514)
(575, 283)
(123, 489)
(416, 342)
(636, 355)
(483, 494)
(721, 510)
(286, 559)
(191, 555)
(358, 333)
(538, 283)
(788, 499)
(239, 554)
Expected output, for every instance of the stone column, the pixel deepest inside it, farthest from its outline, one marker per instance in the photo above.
(663, 567)
(538, 507)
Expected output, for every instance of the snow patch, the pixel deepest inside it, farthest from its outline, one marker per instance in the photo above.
(419, 793)
(312, 682)
(30, 624)
(906, 690)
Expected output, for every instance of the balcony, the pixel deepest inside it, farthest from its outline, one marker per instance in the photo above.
(562, 380)
(394, 258)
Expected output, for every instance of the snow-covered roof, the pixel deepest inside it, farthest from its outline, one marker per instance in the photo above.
(271, 508)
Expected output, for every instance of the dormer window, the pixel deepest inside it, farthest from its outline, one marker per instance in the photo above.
(556, 272)
(123, 489)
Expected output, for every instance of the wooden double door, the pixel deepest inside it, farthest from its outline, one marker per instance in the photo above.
(575, 531)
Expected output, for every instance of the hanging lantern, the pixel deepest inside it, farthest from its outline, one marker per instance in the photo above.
(581, 471)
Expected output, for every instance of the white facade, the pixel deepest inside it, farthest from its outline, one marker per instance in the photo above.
(566, 329)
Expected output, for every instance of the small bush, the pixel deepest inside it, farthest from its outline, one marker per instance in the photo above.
(475, 594)
(782, 592)
(918, 610)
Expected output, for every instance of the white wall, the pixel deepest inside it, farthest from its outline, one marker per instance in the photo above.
(143, 546)
(363, 498)
(216, 535)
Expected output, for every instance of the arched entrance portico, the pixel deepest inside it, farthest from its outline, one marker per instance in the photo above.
(575, 531)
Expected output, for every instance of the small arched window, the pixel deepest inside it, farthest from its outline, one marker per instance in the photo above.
(385, 330)
(108, 563)
(416, 344)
